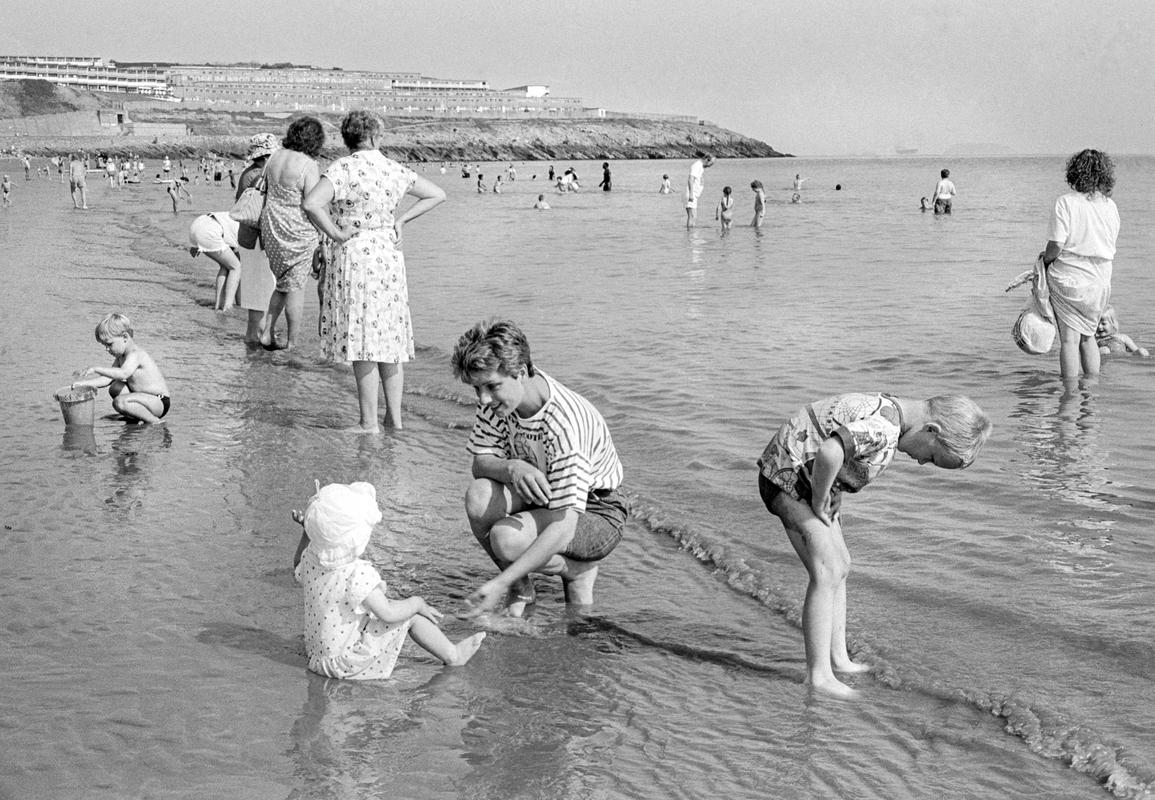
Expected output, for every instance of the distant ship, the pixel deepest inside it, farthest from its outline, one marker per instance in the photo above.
(906, 151)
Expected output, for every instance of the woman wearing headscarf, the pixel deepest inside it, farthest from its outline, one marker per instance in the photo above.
(365, 311)
(287, 235)
(257, 281)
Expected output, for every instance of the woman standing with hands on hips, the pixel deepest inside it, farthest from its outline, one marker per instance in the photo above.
(1079, 259)
(365, 309)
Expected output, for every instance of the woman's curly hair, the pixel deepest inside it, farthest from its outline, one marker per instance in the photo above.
(358, 126)
(305, 135)
(1091, 171)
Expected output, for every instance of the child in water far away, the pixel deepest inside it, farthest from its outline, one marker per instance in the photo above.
(139, 392)
(1109, 338)
(353, 630)
(725, 209)
(841, 444)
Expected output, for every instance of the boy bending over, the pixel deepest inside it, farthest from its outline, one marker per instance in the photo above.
(544, 496)
(139, 392)
(841, 444)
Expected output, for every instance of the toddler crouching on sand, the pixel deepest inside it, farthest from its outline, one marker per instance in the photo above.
(138, 390)
(352, 629)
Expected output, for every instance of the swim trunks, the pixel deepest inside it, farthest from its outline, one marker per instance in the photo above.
(165, 402)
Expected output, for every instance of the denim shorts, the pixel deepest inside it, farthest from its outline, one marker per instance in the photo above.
(599, 529)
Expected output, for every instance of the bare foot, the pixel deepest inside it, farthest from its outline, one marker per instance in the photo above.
(833, 687)
(851, 666)
(466, 649)
(374, 430)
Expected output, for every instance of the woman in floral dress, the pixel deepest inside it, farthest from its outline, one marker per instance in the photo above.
(365, 307)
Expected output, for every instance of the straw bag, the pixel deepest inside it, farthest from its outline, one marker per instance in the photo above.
(1034, 330)
(247, 209)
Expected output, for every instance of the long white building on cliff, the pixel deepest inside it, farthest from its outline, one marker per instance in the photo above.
(249, 87)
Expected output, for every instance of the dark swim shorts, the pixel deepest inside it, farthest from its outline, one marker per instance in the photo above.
(599, 530)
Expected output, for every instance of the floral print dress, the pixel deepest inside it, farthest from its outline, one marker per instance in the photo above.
(365, 310)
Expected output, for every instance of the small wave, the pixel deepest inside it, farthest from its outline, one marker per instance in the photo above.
(1046, 733)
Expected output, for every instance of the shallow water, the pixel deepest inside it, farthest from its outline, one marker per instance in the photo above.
(151, 622)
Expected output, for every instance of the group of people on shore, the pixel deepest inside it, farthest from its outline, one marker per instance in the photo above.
(546, 491)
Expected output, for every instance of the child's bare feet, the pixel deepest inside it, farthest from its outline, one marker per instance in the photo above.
(466, 649)
(833, 687)
(851, 666)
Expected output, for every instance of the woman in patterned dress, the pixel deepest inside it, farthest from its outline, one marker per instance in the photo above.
(287, 235)
(365, 307)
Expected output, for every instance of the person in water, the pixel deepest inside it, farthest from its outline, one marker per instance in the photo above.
(838, 445)
(138, 390)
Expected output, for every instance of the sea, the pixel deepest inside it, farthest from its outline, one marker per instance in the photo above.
(151, 626)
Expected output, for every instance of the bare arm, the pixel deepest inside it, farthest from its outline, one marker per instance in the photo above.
(429, 195)
(525, 479)
(827, 463)
(394, 611)
(1051, 253)
(123, 372)
(554, 537)
(316, 207)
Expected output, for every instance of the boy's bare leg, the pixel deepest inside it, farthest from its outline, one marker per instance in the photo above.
(817, 546)
(578, 582)
(839, 657)
(139, 406)
(432, 639)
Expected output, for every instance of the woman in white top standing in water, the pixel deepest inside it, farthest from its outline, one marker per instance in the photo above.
(1080, 249)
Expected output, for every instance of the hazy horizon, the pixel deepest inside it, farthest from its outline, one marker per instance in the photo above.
(816, 80)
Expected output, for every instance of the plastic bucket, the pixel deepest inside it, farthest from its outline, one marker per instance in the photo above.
(77, 404)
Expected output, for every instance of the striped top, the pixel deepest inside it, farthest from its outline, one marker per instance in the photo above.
(567, 439)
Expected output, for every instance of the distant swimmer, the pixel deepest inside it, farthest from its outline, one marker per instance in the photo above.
(944, 192)
(798, 181)
(6, 191)
(665, 188)
(796, 198)
(541, 204)
(481, 187)
(695, 183)
(759, 204)
(725, 209)
(606, 181)
(76, 181)
(925, 204)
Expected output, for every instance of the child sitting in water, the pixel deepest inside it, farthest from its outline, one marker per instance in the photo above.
(925, 204)
(1110, 340)
(353, 630)
(725, 209)
(138, 390)
(541, 204)
(841, 444)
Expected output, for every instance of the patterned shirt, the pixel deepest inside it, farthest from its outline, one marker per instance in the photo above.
(343, 639)
(868, 425)
(567, 439)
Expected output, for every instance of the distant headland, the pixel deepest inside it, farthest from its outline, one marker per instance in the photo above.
(41, 119)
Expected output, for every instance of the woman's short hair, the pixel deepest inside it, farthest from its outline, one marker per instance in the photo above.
(359, 126)
(1091, 171)
(494, 346)
(305, 135)
(963, 427)
(112, 326)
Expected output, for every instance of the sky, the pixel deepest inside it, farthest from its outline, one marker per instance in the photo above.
(809, 77)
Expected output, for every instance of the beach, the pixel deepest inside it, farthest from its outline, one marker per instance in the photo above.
(153, 628)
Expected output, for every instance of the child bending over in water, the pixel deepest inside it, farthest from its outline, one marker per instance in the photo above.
(725, 209)
(353, 630)
(1110, 340)
(841, 444)
(139, 392)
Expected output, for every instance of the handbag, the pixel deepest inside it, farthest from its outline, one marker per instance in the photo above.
(247, 209)
(1034, 330)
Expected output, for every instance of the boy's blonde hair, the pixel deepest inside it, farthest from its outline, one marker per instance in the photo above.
(115, 324)
(963, 427)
